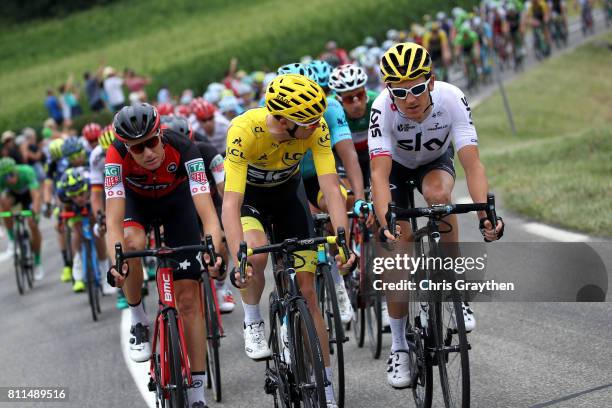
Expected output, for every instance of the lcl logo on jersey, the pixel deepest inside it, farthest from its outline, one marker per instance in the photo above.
(374, 125)
(323, 140)
(236, 153)
(258, 129)
(291, 157)
(416, 144)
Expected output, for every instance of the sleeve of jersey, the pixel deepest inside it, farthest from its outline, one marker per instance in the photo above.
(236, 163)
(322, 155)
(32, 179)
(336, 120)
(378, 136)
(96, 173)
(463, 130)
(217, 169)
(196, 173)
(113, 175)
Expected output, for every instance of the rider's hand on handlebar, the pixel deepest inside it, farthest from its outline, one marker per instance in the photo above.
(216, 271)
(386, 236)
(235, 277)
(487, 232)
(115, 278)
(347, 265)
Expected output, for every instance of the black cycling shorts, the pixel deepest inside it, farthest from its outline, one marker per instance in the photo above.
(400, 176)
(177, 214)
(25, 199)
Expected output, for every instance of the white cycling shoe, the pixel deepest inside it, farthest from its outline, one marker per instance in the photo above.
(468, 317)
(140, 346)
(226, 300)
(255, 344)
(344, 303)
(398, 369)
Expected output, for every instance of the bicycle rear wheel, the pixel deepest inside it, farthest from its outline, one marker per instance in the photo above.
(308, 358)
(176, 389)
(213, 340)
(328, 304)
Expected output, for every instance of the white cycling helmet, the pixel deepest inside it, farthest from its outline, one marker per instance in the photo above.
(215, 87)
(369, 41)
(347, 78)
(392, 34)
(357, 52)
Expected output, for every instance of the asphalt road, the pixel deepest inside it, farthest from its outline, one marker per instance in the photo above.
(530, 354)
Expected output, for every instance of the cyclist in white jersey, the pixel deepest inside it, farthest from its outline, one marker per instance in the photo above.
(412, 124)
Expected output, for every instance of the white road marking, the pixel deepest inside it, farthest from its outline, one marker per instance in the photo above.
(139, 371)
(553, 233)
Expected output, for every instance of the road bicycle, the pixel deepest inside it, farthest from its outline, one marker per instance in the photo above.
(299, 378)
(436, 329)
(23, 258)
(170, 372)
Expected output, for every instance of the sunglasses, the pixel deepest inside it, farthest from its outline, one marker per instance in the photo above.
(139, 147)
(348, 99)
(310, 126)
(402, 93)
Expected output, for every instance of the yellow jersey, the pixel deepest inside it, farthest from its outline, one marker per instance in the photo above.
(255, 157)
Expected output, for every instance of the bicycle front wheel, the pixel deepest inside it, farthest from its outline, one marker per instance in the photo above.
(19, 272)
(328, 304)
(177, 389)
(373, 323)
(308, 358)
(213, 340)
(89, 276)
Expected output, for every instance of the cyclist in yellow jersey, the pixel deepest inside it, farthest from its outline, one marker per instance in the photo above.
(263, 183)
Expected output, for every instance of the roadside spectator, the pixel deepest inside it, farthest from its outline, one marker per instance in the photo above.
(113, 86)
(335, 56)
(69, 102)
(9, 147)
(135, 85)
(164, 96)
(186, 97)
(54, 108)
(32, 152)
(93, 91)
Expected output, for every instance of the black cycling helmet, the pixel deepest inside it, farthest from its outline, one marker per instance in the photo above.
(177, 123)
(135, 122)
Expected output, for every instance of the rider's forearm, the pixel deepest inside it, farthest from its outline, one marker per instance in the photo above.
(334, 200)
(208, 215)
(36, 200)
(381, 193)
(47, 191)
(477, 183)
(231, 222)
(350, 161)
(115, 210)
(97, 201)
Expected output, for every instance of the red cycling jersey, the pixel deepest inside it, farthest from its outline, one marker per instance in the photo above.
(182, 162)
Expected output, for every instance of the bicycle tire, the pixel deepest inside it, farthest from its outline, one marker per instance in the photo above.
(97, 282)
(307, 358)
(213, 340)
(89, 279)
(373, 323)
(328, 304)
(19, 274)
(422, 385)
(279, 369)
(27, 260)
(178, 393)
(443, 339)
(358, 320)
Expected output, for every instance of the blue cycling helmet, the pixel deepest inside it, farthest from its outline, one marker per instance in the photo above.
(321, 70)
(297, 68)
(72, 145)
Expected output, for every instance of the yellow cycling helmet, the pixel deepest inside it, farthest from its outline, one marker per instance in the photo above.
(296, 98)
(55, 149)
(405, 61)
(107, 137)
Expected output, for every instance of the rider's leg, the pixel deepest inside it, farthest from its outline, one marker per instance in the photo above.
(134, 241)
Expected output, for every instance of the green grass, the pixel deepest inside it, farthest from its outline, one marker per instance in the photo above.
(184, 43)
(558, 168)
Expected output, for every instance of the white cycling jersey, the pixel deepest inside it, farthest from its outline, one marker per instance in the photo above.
(96, 166)
(414, 144)
(219, 136)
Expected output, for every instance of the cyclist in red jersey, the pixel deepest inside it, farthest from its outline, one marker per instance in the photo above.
(156, 174)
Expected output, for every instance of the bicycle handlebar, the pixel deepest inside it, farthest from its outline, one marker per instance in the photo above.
(440, 210)
(291, 245)
(22, 213)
